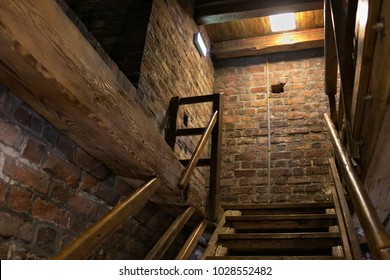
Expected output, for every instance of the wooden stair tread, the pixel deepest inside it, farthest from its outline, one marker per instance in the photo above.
(282, 217)
(278, 206)
(306, 235)
(273, 258)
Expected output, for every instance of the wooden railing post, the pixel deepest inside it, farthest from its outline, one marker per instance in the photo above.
(191, 242)
(166, 240)
(375, 233)
(88, 241)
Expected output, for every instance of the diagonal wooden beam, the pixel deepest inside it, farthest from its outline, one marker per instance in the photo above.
(48, 63)
(285, 42)
(209, 12)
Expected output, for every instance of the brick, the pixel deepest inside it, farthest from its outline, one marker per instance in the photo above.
(107, 193)
(59, 192)
(317, 154)
(78, 223)
(19, 199)
(299, 180)
(89, 164)
(124, 188)
(10, 135)
(281, 189)
(51, 213)
(34, 150)
(84, 204)
(62, 169)
(27, 118)
(66, 146)
(50, 133)
(45, 239)
(88, 183)
(242, 190)
(25, 232)
(245, 173)
(9, 225)
(7, 102)
(26, 175)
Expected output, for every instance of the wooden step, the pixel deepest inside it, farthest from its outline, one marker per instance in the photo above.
(280, 208)
(280, 243)
(282, 223)
(273, 258)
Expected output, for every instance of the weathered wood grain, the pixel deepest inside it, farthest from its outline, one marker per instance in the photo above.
(47, 62)
(284, 42)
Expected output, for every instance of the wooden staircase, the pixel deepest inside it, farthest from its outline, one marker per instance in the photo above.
(277, 231)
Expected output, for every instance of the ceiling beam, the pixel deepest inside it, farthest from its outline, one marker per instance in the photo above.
(285, 42)
(209, 12)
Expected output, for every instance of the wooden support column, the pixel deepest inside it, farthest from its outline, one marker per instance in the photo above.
(330, 63)
(48, 63)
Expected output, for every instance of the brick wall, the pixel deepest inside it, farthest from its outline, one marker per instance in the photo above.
(299, 142)
(171, 66)
(51, 191)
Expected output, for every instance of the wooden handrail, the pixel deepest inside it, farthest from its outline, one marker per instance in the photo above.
(377, 239)
(185, 178)
(191, 242)
(84, 245)
(345, 221)
(170, 234)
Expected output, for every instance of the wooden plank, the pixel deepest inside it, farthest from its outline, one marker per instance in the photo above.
(87, 242)
(191, 242)
(208, 12)
(170, 136)
(348, 233)
(273, 258)
(197, 99)
(285, 42)
(279, 236)
(47, 62)
(169, 236)
(369, 14)
(342, 18)
(216, 158)
(190, 131)
(322, 205)
(202, 162)
(213, 242)
(330, 62)
(284, 217)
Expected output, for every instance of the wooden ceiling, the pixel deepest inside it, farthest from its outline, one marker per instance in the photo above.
(239, 28)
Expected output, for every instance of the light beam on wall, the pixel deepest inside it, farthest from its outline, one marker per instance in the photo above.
(200, 45)
(282, 22)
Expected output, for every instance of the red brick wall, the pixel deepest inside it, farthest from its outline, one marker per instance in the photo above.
(51, 191)
(299, 143)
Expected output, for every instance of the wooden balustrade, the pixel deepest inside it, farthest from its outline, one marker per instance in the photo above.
(377, 239)
(166, 240)
(84, 245)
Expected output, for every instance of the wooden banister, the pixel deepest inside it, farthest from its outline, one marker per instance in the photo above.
(191, 242)
(166, 240)
(377, 239)
(344, 216)
(185, 178)
(84, 245)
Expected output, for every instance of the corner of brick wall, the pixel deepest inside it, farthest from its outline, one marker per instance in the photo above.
(300, 146)
(51, 191)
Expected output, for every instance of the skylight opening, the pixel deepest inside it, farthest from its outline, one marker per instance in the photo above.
(282, 22)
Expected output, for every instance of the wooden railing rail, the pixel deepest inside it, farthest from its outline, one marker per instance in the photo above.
(348, 234)
(192, 240)
(169, 236)
(377, 239)
(186, 175)
(94, 236)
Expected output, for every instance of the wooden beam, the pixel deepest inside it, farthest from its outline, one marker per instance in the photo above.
(170, 235)
(87, 242)
(285, 42)
(48, 63)
(330, 62)
(209, 12)
(368, 15)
